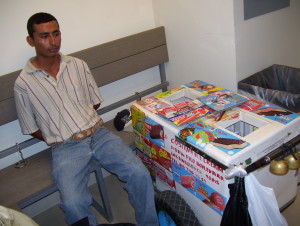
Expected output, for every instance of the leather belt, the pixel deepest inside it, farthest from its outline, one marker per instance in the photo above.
(81, 135)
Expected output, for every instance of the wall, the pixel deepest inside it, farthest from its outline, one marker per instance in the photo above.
(83, 24)
(210, 40)
(88, 23)
(201, 41)
(265, 40)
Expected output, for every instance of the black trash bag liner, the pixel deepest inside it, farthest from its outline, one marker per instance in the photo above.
(278, 85)
(236, 210)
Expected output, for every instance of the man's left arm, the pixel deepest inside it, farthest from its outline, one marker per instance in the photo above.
(93, 89)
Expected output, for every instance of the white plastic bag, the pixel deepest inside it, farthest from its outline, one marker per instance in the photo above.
(10, 217)
(262, 204)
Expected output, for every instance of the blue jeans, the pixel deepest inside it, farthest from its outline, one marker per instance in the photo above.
(71, 174)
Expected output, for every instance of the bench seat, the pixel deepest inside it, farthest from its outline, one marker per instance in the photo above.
(22, 186)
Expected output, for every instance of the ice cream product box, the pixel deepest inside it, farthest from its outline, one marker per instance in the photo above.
(152, 104)
(191, 101)
(232, 124)
(276, 114)
(147, 161)
(155, 152)
(203, 87)
(202, 149)
(184, 106)
(147, 127)
(159, 173)
(222, 100)
(164, 176)
(161, 156)
(200, 189)
(138, 119)
(200, 135)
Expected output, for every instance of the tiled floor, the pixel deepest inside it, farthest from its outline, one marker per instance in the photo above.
(121, 208)
(123, 212)
(291, 213)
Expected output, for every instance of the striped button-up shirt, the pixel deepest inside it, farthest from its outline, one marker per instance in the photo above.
(58, 107)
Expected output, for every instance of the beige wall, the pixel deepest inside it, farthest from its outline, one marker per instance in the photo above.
(265, 40)
(83, 24)
(210, 40)
(201, 40)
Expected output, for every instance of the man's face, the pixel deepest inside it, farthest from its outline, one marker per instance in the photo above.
(46, 39)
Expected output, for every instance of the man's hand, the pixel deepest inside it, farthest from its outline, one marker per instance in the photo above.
(96, 106)
(38, 134)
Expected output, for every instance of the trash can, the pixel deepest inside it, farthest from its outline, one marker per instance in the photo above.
(278, 85)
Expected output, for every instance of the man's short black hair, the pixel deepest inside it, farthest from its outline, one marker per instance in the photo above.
(38, 18)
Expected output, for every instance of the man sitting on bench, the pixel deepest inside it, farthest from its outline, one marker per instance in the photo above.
(56, 100)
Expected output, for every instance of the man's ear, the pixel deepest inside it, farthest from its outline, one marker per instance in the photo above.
(30, 41)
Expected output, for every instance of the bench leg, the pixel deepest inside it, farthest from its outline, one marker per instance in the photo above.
(105, 210)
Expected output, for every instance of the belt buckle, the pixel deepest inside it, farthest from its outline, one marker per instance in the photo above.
(83, 134)
(79, 136)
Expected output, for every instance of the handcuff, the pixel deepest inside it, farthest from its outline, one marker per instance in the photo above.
(22, 162)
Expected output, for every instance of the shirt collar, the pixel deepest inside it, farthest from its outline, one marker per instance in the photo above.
(30, 69)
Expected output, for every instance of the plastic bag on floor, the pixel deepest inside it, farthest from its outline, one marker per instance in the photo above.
(10, 217)
(236, 210)
(262, 204)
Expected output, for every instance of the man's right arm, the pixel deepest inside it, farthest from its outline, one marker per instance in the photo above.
(24, 110)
